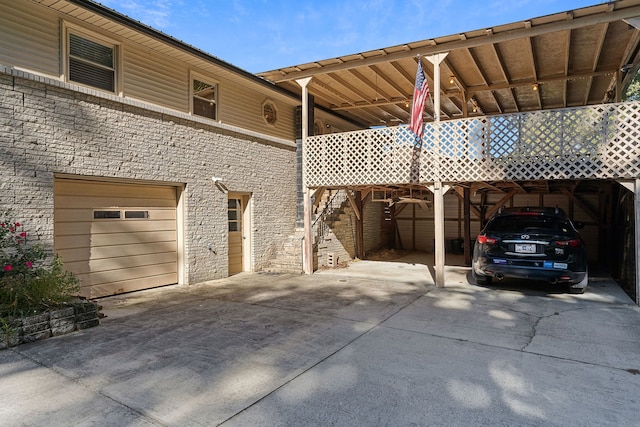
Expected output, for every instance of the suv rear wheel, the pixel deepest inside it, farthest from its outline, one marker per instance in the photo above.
(481, 280)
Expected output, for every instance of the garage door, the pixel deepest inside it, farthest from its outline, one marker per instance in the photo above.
(116, 237)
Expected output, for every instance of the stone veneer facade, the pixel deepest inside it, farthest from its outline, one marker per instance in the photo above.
(48, 127)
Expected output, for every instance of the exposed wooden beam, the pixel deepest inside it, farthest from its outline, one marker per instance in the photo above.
(596, 60)
(466, 43)
(354, 204)
(459, 192)
(567, 53)
(529, 82)
(501, 203)
(583, 205)
(390, 81)
(317, 195)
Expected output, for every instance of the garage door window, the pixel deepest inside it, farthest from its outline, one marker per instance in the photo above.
(113, 214)
(107, 215)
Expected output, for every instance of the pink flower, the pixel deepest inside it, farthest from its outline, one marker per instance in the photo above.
(3, 225)
(29, 264)
(17, 224)
(23, 234)
(8, 267)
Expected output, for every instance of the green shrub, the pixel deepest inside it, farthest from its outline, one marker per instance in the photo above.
(28, 281)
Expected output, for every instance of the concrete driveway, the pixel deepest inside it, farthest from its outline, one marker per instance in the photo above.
(373, 344)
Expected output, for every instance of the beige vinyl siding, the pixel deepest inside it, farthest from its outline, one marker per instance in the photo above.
(29, 38)
(241, 106)
(149, 71)
(150, 77)
(111, 256)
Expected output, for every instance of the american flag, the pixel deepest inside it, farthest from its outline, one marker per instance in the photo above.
(420, 94)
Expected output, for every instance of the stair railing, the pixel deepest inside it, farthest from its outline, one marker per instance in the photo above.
(323, 221)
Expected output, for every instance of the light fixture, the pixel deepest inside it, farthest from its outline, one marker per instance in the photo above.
(452, 80)
(535, 86)
(475, 106)
(407, 104)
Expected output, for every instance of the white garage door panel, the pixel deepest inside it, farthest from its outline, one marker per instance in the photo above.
(87, 214)
(78, 254)
(113, 227)
(131, 273)
(120, 254)
(87, 241)
(115, 202)
(116, 263)
(127, 285)
(74, 187)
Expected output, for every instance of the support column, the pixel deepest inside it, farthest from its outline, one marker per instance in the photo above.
(307, 243)
(634, 186)
(360, 226)
(438, 213)
(467, 225)
(438, 193)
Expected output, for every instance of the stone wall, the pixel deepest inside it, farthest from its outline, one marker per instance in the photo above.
(339, 243)
(52, 323)
(48, 127)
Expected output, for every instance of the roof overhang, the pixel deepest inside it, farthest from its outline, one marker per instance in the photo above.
(574, 58)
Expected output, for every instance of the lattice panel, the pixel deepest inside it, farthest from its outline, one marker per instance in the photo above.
(600, 141)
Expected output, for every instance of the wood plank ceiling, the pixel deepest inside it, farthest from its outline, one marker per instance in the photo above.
(573, 58)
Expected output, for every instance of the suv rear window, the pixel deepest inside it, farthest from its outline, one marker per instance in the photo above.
(516, 224)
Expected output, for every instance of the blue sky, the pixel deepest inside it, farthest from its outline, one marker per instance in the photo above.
(262, 35)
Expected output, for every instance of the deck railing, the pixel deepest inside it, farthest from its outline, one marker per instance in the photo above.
(595, 142)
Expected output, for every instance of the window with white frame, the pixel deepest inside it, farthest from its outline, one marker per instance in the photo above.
(204, 98)
(91, 61)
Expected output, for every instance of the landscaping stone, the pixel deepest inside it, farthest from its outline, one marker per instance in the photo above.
(60, 321)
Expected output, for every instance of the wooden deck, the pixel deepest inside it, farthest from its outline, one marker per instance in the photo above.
(595, 142)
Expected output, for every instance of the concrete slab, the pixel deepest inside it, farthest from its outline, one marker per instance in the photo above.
(371, 344)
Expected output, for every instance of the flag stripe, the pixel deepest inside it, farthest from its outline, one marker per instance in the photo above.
(420, 94)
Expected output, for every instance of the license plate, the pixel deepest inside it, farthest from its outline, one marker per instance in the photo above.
(526, 248)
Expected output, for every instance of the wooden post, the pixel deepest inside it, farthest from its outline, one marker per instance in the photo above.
(360, 226)
(307, 246)
(634, 186)
(438, 212)
(438, 193)
(467, 225)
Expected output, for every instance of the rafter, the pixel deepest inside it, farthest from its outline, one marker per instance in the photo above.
(596, 59)
(491, 36)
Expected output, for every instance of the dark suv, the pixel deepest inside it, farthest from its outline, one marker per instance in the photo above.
(531, 243)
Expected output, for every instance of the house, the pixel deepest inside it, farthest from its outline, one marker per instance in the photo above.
(145, 161)
(140, 160)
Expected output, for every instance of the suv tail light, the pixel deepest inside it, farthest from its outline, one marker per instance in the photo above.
(574, 243)
(486, 240)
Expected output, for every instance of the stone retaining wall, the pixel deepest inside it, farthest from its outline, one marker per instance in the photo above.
(52, 323)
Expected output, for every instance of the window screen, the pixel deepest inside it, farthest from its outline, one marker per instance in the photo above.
(91, 63)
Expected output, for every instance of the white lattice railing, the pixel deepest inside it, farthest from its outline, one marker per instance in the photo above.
(595, 142)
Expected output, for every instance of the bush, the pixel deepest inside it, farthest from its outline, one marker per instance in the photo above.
(28, 281)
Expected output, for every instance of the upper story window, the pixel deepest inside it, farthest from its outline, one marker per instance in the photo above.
(91, 62)
(204, 98)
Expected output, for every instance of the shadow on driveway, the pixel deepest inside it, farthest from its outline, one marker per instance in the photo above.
(370, 344)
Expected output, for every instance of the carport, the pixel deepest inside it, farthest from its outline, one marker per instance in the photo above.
(527, 108)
